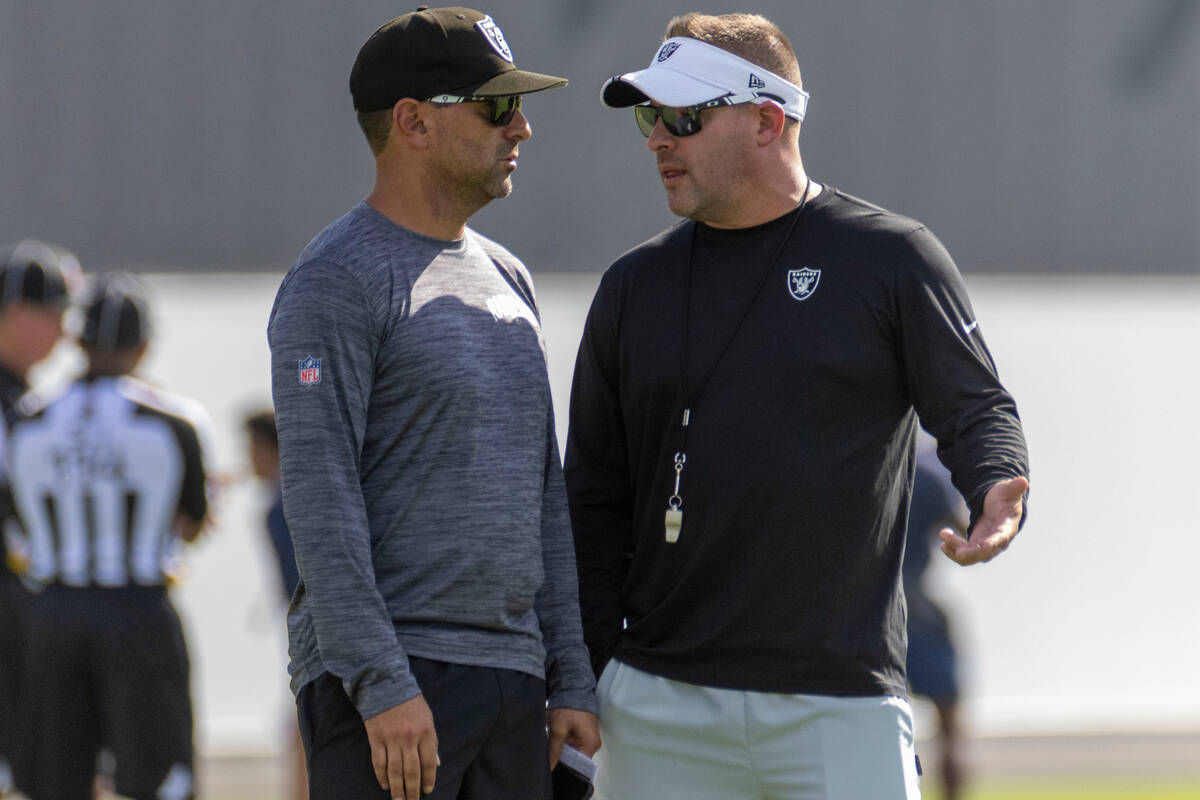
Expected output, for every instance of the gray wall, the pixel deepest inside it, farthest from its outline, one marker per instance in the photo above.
(1037, 136)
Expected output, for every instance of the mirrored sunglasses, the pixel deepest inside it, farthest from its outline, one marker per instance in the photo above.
(686, 121)
(501, 111)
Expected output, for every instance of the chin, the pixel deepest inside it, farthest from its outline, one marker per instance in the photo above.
(680, 209)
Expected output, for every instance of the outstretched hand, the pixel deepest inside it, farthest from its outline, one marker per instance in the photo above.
(994, 529)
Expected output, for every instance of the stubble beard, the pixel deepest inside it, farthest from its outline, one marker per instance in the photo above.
(468, 189)
(706, 194)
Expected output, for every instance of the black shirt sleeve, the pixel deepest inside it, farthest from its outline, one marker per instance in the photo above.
(951, 376)
(598, 478)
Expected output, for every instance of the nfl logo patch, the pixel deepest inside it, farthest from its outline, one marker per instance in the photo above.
(310, 371)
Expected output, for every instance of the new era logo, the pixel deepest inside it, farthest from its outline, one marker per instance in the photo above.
(756, 82)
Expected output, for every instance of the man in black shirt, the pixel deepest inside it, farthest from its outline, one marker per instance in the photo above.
(33, 296)
(741, 449)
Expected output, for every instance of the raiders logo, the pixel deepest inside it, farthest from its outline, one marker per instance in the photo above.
(667, 51)
(495, 37)
(803, 282)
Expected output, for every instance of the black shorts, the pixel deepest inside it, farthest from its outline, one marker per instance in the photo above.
(491, 729)
(14, 611)
(107, 668)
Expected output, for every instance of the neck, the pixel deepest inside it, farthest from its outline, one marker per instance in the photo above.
(777, 189)
(104, 363)
(410, 199)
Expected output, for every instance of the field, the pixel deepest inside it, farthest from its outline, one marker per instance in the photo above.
(1098, 767)
(1085, 789)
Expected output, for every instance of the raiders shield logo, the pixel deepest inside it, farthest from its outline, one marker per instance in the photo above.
(495, 37)
(803, 282)
(667, 51)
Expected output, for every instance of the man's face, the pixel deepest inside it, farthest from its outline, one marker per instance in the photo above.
(704, 172)
(475, 159)
(32, 330)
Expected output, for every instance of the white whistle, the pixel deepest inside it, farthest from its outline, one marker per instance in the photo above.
(674, 523)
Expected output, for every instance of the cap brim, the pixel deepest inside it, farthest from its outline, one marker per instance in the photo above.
(514, 81)
(659, 85)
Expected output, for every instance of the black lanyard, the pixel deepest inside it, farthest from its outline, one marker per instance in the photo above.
(673, 521)
(690, 400)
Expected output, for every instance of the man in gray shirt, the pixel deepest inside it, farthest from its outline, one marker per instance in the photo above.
(437, 612)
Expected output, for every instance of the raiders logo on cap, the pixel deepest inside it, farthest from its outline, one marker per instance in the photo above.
(495, 36)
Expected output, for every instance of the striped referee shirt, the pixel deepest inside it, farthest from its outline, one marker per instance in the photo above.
(99, 477)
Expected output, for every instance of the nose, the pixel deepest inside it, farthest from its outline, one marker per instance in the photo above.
(518, 128)
(660, 138)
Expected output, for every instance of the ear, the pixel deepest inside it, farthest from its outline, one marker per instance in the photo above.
(770, 122)
(409, 122)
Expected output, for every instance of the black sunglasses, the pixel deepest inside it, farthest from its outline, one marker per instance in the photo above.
(502, 109)
(684, 121)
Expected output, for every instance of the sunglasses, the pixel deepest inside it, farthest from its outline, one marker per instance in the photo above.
(686, 121)
(501, 111)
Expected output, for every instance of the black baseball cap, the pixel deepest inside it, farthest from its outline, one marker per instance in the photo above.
(434, 51)
(116, 313)
(37, 273)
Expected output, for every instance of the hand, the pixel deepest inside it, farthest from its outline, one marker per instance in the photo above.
(404, 749)
(994, 529)
(579, 728)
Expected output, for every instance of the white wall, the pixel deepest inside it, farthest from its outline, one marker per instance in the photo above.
(1089, 621)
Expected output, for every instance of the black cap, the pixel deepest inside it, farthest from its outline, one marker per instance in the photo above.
(116, 314)
(36, 272)
(434, 51)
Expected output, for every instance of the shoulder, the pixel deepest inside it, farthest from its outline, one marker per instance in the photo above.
(666, 244)
(26, 418)
(185, 415)
(649, 260)
(358, 255)
(843, 211)
(872, 235)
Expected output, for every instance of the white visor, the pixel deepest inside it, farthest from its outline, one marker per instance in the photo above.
(687, 72)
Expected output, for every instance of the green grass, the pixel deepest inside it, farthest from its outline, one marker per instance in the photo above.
(1081, 789)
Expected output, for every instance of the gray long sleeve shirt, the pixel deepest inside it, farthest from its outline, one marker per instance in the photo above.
(421, 476)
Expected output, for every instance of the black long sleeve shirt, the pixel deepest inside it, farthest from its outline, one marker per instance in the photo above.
(795, 491)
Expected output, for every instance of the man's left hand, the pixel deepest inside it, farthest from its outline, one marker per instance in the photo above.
(994, 529)
(579, 728)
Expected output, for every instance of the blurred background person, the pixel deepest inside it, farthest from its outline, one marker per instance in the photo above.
(33, 297)
(932, 661)
(264, 462)
(107, 480)
(263, 442)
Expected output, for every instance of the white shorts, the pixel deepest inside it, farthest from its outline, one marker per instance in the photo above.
(667, 740)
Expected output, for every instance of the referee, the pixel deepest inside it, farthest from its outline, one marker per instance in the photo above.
(33, 296)
(107, 480)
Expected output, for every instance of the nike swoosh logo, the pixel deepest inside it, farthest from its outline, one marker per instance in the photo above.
(972, 326)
